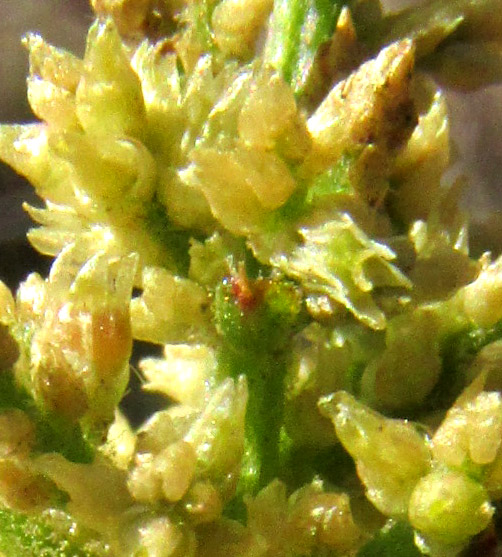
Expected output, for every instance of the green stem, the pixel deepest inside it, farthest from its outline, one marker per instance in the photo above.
(298, 28)
(257, 321)
(264, 417)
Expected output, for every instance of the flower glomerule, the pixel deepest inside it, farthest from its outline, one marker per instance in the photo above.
(256, 187)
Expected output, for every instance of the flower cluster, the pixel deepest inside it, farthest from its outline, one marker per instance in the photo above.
(258, 188)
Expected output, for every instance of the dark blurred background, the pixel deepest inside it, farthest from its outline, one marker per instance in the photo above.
(476, 123)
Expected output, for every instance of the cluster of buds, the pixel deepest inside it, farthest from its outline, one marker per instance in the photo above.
(308, 520)
(441, 483)
(74, 334)
(251, 166)
(189, 456)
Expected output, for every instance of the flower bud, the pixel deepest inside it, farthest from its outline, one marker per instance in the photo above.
(203, 503)
(449, 507)
(175, 466)
(120, 442)
(217, 435)
(53, 65)
(390, 455)
(109, 98)
(111, 341)
(170, 310)
(483, 298)
(236, 25)
(56, 384)
(326, 519)
(471, 431)
(88, 329)
(144, 483)
(185, 374)
(268, 111)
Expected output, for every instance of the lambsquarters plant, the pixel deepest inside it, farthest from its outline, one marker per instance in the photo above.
(256, 186)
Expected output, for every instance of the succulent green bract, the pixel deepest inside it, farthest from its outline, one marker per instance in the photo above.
(257, 187)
